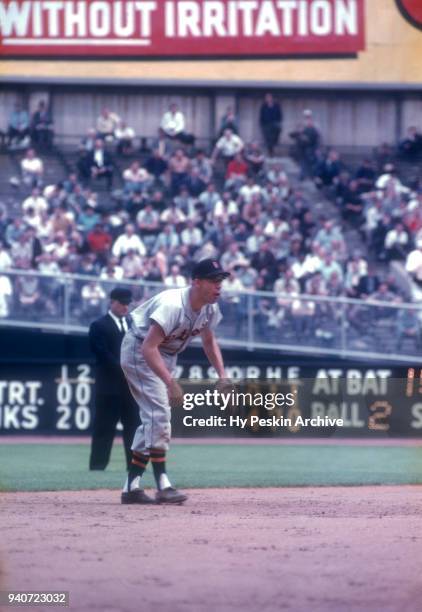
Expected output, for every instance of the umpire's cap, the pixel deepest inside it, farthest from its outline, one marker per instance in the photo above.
(124, 296)
(209, 269)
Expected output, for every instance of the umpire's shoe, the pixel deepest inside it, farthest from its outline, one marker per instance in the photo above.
(136, 497)
(170, 496)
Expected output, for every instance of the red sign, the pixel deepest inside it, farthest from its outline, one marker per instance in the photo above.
(181, 28)
(412, 11)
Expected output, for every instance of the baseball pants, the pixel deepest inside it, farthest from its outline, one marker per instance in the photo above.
(150, 394)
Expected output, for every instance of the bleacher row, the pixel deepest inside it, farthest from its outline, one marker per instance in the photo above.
(60, 161)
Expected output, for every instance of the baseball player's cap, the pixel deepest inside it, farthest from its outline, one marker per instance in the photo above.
(209, 268)
(124, 296)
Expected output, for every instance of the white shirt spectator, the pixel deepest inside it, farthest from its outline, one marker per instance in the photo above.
(173, 123)
(173, 282)
(173, 216)
(124, 243)
(191, 236)
(124, 132)
(394, 237)
(38, 203)
(248, 191)
(229, 144)
(32, 166)
(5, 259)
(225, 210)
(107, 122)
(231, 288)
(414, 263)
(6, 292)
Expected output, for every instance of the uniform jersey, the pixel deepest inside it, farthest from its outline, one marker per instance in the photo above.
(172, 311)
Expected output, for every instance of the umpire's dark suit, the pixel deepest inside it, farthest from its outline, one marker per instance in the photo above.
(113, 400)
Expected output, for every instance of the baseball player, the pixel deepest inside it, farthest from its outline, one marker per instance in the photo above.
(162, 328)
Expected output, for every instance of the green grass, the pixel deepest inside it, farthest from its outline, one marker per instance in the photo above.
(55, 467)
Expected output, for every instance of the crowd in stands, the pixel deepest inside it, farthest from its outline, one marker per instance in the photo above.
(179, 203)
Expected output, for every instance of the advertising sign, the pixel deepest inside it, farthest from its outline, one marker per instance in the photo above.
(181, 28)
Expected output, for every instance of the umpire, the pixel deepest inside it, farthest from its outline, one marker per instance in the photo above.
(113, 400)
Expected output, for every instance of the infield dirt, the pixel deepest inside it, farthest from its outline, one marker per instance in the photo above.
(301, 549)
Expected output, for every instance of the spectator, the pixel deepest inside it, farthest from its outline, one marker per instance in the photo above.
(136, 178)
(36, 202)
(270, 120)
(225, 208)
(107, 122)
(228, 121)
(132, 265)
(410, 147)
(42, 129)
(227, 146)
(100, 163)
(93, 299)
(352, 205)
(254, 157)
(124, 136)
(365, 176)
(148, 222)
(32, 169)
(396, 243)
(175, 279)
(6, 296)
(330, 266)
(236, 172)
(204, 166)
(173, 216)
(186, 203)
(19, 127)
(128, 240)
(156, 166)
(167, 239)
(209, 198)
(191, 236)
(414, 263)
(179, 166)
(173, 125)
(112, 271)
(307, 140)
(87, 219)
(6, 261)
(328, 169)
(233, 257)
(87, 143)
(99, 242)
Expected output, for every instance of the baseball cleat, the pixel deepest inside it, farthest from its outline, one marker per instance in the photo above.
(137, 497)
(170, 496)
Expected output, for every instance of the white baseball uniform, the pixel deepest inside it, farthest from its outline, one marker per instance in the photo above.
(172, 311)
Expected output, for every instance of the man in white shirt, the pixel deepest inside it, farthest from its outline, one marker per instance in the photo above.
(227, 146)
(107, 122)
(124, 136)
(32, 169)
(175, 279)
(191, 235)
(173, 122)
(128, 240)
(35, 201)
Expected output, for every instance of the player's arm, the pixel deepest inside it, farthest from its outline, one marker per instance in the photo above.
(213, 352)
(152, 356)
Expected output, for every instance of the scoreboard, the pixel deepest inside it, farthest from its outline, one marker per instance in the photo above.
(268, 399)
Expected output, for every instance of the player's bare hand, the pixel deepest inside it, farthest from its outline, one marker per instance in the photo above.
(175, 393)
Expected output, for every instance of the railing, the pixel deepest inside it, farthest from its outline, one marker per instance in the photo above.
(304, 324)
